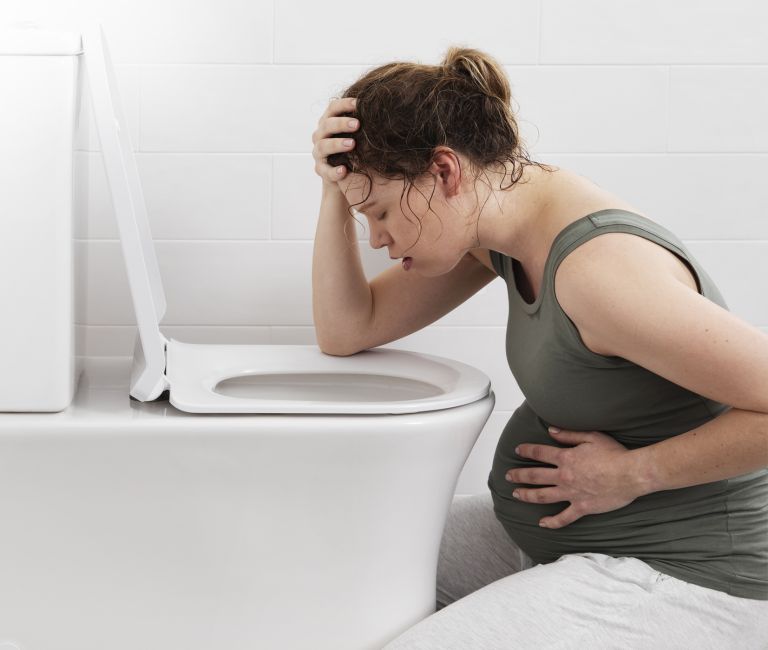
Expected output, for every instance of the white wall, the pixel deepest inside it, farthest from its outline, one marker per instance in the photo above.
(662, 103)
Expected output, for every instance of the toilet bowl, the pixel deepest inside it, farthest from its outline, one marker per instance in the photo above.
(129, 524)
(282, 498)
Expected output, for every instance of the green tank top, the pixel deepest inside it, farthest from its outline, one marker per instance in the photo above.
(714, 535)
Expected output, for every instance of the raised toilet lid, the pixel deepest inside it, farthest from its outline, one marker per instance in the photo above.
(208, 378)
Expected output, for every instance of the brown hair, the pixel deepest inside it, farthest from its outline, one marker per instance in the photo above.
(407, 109)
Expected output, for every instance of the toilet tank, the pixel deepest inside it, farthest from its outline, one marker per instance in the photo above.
(38, 109)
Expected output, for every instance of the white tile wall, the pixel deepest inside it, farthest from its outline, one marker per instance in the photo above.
(696, 32)
(661, 103)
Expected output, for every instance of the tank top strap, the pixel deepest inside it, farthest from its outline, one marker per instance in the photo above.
(616, 220)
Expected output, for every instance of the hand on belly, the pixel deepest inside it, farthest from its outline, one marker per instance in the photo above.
(594, 476)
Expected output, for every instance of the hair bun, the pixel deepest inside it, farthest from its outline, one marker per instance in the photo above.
(481, 69)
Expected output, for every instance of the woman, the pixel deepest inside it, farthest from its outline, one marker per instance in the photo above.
(642, 522)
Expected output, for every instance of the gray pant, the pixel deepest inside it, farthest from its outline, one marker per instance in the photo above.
(490, 596)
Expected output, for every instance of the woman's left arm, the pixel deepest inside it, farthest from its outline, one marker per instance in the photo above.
(732, 444)
(646, 314)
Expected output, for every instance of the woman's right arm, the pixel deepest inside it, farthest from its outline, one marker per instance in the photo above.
(341, 295)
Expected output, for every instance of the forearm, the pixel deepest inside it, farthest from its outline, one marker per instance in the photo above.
(341, 295)
(732, 444)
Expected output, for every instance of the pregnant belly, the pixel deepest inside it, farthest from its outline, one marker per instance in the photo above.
(689, 521)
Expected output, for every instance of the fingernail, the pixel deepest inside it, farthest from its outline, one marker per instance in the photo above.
(508, 477)
(352, 122)
(554, 430)
(543, 524)
(516, 494)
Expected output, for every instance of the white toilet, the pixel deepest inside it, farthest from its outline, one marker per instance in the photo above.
(290, 500)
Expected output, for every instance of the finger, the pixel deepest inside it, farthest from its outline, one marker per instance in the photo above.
(561, 519)
(338, 106)
(336, 173)
(329, 172)
(572, 437)
(534, 476)
(338, 126)
(545, 453)
(342, 104)
(330, 146)
(540, 495)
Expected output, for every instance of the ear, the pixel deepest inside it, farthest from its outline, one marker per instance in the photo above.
(446, 166)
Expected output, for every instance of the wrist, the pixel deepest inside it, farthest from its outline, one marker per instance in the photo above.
(642, 471)
(332, 187)
(335, 202)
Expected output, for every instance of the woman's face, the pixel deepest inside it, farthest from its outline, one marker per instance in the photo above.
(408, 225)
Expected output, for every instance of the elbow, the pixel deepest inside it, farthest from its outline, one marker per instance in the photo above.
(335, 349)
(334, 352)
(338, 353)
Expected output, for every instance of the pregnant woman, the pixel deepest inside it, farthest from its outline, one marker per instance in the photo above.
(628, 503)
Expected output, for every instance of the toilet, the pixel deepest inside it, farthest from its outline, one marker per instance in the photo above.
(280, 498)
(211, 378)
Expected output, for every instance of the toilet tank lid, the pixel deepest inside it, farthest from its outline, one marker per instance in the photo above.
(32, 40)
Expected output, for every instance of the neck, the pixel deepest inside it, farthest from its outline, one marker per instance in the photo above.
(514, 220)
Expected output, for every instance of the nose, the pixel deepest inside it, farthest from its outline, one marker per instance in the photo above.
(377, 239)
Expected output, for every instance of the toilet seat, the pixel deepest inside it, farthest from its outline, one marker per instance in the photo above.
(199, 376)
(375, 381)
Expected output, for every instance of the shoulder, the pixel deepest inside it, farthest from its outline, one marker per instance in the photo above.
(611, 252)
(613, 266)
(641, 311)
